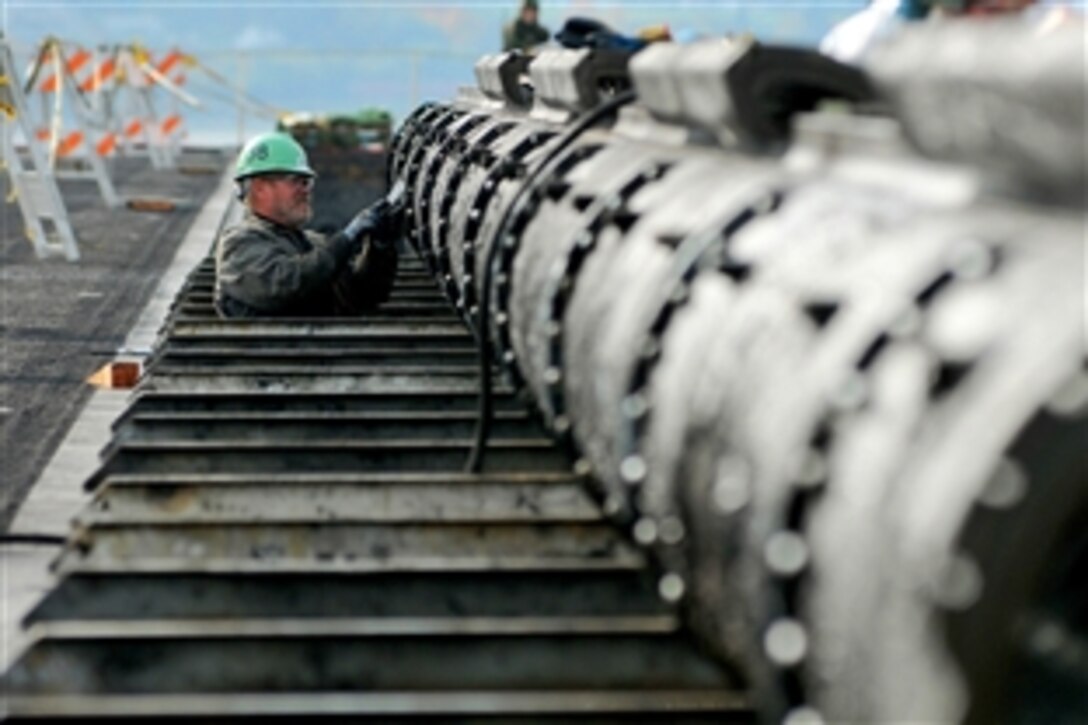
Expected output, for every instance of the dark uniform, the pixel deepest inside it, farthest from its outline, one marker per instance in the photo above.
(524, 32)
(519, 34)
(264, 269)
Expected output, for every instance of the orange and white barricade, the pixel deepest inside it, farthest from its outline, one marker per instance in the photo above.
(70, 128)
(33, 184)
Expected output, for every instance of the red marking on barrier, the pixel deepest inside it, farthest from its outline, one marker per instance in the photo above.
(171, 123)
(100, 76)
(52, 83)
(106, 145)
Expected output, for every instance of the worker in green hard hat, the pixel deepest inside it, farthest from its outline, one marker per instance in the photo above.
(268, 265)
(525, 31)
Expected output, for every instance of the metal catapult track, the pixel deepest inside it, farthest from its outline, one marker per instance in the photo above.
(814, 389)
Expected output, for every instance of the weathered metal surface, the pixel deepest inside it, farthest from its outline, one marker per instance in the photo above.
(270, 456)
(343, 545)
(276, 401)
(801, 351)
(357, 497)
(318, 426)
(480, 592)
(560, 706)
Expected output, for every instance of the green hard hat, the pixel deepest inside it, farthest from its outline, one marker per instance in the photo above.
(272, 153)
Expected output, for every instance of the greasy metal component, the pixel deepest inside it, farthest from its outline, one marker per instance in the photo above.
(806, 365)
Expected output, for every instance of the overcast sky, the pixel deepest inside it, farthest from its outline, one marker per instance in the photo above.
(341, 55)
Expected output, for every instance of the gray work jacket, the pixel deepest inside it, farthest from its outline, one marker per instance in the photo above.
(265, 269)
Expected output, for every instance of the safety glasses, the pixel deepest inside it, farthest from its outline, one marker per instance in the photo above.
(297, 180)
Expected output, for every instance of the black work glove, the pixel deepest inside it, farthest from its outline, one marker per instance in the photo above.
(381, 221)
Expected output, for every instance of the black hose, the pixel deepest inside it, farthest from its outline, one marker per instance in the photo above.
(484, 411)
(39, 539)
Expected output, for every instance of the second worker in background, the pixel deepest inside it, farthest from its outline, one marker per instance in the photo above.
(269, 266)
(525, 31)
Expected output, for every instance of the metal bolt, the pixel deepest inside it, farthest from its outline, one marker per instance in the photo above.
(959, 583)
(552, 376)
(671, 587)
(786, 642)
(612, 506)
(1007, 486)
(561, 424)
(1071, 399)
(786, 553)
(582, 467)
(804, 715)
(645, 531)
(633, 469)
(671, 531)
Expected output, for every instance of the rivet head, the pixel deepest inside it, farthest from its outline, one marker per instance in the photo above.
(1071, 399)
(561, 424)
(633, 469)
(786, 553)
(786, 642)
(671, 531)
(582, 467)
(958, 583)
(803, 716)
(552, 376)
(645, 531)
(1007, 486)
(671, 587)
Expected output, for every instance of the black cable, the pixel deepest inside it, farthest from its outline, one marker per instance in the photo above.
(484, 411)
(41, 539)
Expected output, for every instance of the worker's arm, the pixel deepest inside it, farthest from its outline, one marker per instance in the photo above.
(269, 275)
